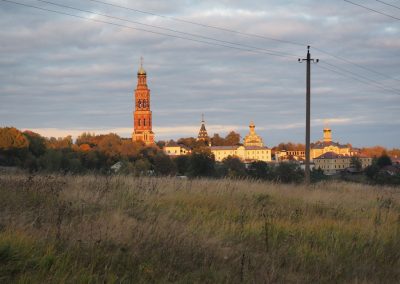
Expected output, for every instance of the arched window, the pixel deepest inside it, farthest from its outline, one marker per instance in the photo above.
(144, 122)
(139, 103)
(139, 122)
(144, 103)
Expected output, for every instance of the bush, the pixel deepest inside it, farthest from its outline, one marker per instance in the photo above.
(289, 173)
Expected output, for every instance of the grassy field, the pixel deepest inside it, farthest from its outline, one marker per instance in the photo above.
(91, 229)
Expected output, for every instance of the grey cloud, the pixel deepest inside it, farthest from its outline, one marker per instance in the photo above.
(61, 72)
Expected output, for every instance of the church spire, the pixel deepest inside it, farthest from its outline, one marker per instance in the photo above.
(141, 70)
(203, 136)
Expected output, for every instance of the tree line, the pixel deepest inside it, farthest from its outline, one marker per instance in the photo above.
(98, 153)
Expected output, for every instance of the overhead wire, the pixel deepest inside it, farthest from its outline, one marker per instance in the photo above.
(199, 24)
(373, 10)
(248, 48)
(388, 4)
(145, 30)
(360, 76)
(168, 29)
(248, 35)
(356, 64)
(355, 78)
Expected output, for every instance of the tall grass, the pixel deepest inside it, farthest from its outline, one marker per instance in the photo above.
(118, 229)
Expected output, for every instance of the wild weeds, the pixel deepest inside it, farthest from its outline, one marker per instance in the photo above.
(121, 229)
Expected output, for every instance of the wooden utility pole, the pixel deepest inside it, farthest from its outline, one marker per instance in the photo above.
(308, 112)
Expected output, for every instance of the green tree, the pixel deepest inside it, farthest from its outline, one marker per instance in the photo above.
(142, 167)
(383, 161)
(234, 167)
(317, 175)
(260, 170)
(289, 173)
(181, 164)
(37, 143)
(51, 161)
(201, 164)
(355, 162)
(163, 164)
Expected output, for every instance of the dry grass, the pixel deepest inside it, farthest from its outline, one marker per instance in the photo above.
(89, 229)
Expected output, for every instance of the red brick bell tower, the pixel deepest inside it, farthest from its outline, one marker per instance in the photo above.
(142, 115)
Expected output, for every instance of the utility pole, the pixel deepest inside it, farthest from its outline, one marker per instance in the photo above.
(308, 112)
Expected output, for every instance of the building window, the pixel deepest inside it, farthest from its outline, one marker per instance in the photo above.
(144, 122)
(139, 122)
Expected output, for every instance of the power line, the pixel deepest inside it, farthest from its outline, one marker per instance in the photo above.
(245, 34)
(355, 64)
(362, 77)
(388, 4)
(355, 78)
(163, 34)
(199, 24)
(373, 10)
(269, 51)
(144, 30)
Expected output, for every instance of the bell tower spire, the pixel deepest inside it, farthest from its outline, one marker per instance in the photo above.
(142, 115)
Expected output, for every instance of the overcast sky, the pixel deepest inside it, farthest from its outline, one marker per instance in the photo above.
(62, 75)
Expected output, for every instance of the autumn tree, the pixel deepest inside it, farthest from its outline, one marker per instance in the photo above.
(395, 153)
(232, 139)
(110, 145)
(13, 147)
(289, 147)
(190, 142)
(10, 138)
(217, 140)
(87, 138)
(130, 149)
(375, 151)
(59, 143)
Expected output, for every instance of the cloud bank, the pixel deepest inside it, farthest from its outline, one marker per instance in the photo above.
(61, 75)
